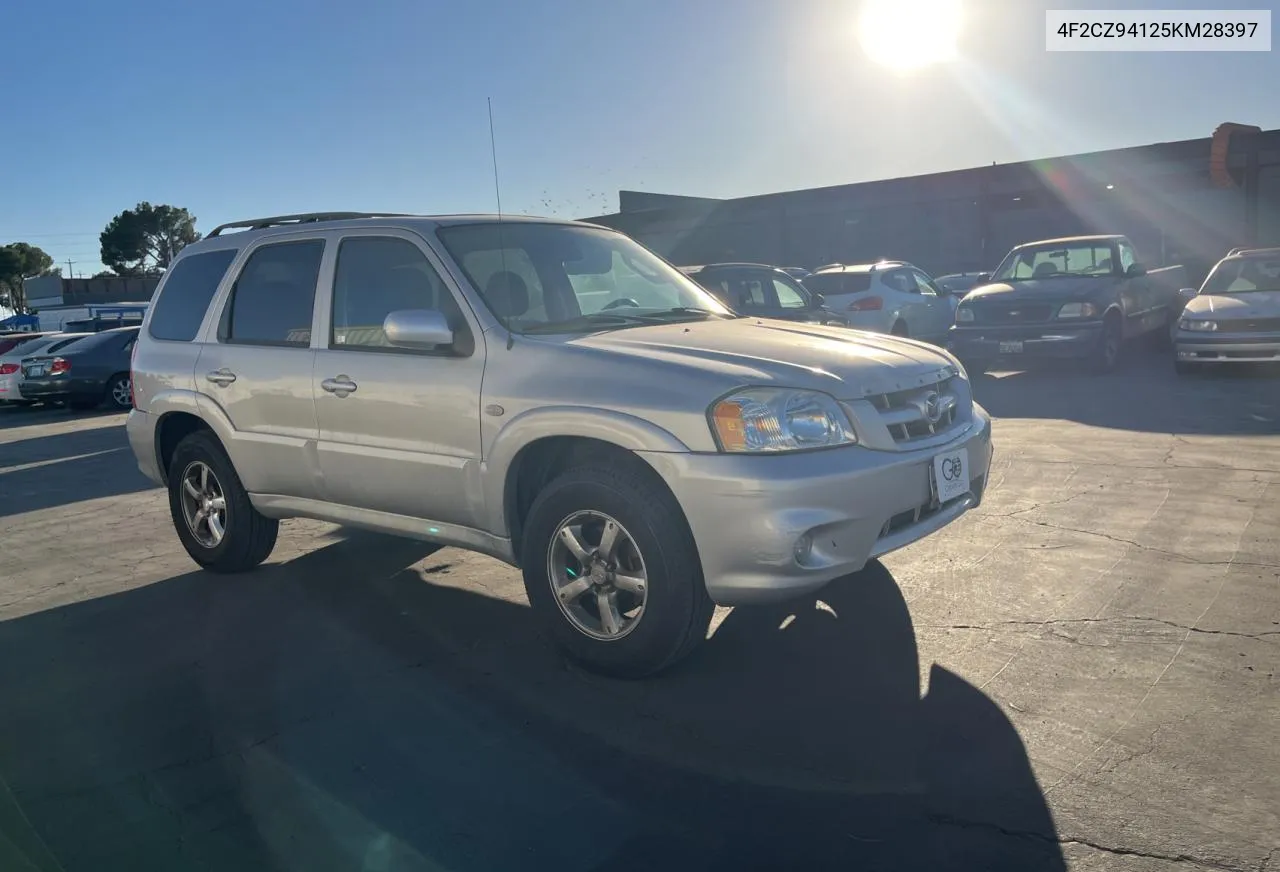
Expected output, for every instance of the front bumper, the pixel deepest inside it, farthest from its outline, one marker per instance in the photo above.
(141, 429)
(747, 512)
(1197, 347)
(1039, 341)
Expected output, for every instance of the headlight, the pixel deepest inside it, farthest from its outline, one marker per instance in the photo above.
(1197, 325)
(1078, 310)
(964, 315)
(761, 420)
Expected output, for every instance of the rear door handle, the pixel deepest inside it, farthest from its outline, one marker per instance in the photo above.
(340, 386)
(221, 377)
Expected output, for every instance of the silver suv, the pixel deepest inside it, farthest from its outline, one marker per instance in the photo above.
(551, 394)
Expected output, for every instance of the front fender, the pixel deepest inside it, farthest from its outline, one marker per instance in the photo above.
(617, 428)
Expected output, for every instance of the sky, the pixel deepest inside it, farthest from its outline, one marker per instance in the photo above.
(241, 109)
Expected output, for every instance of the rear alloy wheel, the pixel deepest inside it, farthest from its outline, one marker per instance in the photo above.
(211, 511)
(612, 571)
(119, 392)
(1107, 353)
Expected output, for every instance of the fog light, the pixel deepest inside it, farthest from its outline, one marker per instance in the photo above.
(803, 549)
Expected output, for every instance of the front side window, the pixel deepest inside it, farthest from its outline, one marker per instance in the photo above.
(188, 290)
(272, 299)
(570, 278)
(1127, 256)
(789, 297)
(923, 284)
(378, 275)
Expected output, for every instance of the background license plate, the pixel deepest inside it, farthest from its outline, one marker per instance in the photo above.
(1011, 347)
(951, 475)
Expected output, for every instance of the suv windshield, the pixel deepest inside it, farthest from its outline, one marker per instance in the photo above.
(547, 278)
(1244, 275)
(1081, 259)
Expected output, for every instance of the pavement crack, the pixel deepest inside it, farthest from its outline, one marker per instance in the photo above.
(1052, 622)
(1115, 850)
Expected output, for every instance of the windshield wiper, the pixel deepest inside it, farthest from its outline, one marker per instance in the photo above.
(689, 310)
(586, 322)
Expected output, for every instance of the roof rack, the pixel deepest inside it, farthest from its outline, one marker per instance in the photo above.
(1245, 250)
(303, 218)
(828, 266)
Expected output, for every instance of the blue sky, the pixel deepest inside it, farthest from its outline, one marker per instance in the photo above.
(238, 109)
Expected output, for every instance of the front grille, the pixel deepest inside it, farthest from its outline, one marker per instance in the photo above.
(1251, 325)
(919, 413)
(1012, 313)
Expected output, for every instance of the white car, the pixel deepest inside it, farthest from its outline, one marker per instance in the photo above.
(1235, 318)
(10, 361)
(886, 297)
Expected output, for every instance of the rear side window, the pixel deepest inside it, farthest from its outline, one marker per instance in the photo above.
(180, 309)
(836, 283)
(272, 299)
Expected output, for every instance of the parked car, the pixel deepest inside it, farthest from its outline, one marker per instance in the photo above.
(763, 291)
(887, 297)
(11, 362)
(796, 272)
(464, 380)
(958, 284)
(11, 340)
(1080, 298)
(1235, 317)
(86, 373)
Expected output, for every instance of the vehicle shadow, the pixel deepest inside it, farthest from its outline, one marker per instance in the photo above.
(342, 712)
(16, 417)
(1144, 395)
(61, 468)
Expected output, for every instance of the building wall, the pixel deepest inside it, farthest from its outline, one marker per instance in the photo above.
(1161, 196)
(86, 292)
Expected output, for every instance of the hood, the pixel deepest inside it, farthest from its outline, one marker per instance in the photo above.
(1060, 290)
(845, 363)
(1254, 304)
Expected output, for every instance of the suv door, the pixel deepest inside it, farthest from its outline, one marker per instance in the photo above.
(257, 367)
(399, 428)
(935, 309)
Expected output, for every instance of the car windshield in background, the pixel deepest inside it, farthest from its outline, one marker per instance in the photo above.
(547, 278)
(1088, 259)
(1244, 275)
(835, 283)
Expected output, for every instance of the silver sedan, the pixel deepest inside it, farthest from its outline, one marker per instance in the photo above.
(1235, 317)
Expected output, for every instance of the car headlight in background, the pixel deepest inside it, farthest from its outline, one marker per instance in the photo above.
(1078, 310)
(964, 315)
(767, 420)
(1197, 325)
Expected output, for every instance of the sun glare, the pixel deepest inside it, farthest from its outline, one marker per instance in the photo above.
(909, 34)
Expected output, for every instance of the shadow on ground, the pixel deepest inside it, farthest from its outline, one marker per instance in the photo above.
(342, 712)
(1143, 395)
(62, 468)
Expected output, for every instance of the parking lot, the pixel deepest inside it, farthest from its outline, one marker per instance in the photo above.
(1081, 673)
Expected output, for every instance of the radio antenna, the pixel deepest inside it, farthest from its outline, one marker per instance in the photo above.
(497, 194)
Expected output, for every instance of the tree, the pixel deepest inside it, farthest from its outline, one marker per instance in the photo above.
(144, 240)
(20, 261)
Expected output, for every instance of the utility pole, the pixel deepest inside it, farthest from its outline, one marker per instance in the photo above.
(70, 273)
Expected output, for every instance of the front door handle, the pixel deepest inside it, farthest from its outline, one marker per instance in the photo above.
(340, 386)
(221, 377)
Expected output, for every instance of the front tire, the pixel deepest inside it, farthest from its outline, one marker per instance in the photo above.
(217, 524)
(1106, 356)
(612, 571)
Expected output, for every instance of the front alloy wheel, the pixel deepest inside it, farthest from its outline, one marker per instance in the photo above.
(597, 575)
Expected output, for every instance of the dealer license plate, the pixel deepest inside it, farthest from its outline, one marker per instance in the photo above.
(951, 475)
(1011, 346)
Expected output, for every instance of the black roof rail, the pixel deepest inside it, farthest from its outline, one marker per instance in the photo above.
(302, 218)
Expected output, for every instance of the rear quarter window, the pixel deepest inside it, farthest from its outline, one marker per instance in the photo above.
(187, 293)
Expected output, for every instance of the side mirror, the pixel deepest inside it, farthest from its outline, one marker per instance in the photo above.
(417, 328)
(1135, 270)
(819, 300)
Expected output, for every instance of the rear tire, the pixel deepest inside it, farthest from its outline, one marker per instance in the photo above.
(652, 543)
(119, 396)
(232, 538)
